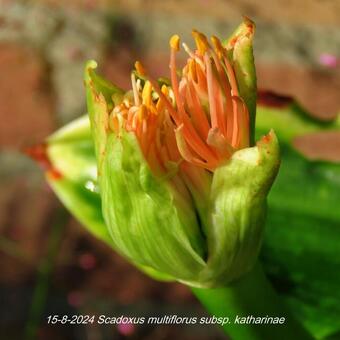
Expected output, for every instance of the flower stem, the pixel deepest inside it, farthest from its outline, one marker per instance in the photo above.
(44, 271)
(252, 295)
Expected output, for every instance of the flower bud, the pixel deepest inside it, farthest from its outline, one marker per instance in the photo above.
(183, 187)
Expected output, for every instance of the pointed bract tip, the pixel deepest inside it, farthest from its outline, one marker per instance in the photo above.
(39, 154)
(245, 30)
(250, 24)
(268, 138)
(89, 66)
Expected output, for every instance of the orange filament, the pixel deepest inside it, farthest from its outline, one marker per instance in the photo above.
(214, 121)
(148, 118)
(200, 119)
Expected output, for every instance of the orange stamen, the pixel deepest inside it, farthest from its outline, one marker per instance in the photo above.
(134, 89)
(199, 116)
(217, 46)
(185, 151)
(139, 68)
(199, 120)
(174, 80)
(231, 76)
(201, 42)
(211, 92)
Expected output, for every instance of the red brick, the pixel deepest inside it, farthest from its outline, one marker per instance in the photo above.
(25, 100)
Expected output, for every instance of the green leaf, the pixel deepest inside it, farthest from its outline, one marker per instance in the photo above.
(71, 152)
(301, 248)
(289, 119)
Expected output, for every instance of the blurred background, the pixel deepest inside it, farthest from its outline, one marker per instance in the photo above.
(49, 263)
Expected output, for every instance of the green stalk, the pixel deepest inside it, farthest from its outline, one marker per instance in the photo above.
(251, 295)
(45, 269)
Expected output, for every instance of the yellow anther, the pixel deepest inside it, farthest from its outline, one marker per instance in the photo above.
(217, 46)
(160, 103)
(165, 90)
(192, 69)
(140, 68)
(146, 94)
(113, 122)
(174, 42)
(142, 112)
(201, 42)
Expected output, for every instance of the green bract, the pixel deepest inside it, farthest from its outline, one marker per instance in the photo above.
(240, 47)
(238, 209)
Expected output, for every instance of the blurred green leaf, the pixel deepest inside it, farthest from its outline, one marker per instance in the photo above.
(301, 252)
(302, 240)
(288, 118)
(71, 152)
(301, 248)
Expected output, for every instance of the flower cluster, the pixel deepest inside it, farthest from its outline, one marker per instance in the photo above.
(183, 188)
